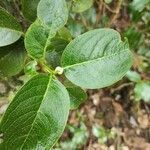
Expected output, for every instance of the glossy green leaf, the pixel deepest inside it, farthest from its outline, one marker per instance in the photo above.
(53, 13)
(10, 29)
(12, 58)
(96, 59)
(29, 9)
(77, 96)
(81, 5)
(36, 40)
(36, 117)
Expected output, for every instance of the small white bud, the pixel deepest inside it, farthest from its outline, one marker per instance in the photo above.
(59, 70)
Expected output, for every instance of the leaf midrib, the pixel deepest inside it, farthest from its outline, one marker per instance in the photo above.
(50, 79)
(91, 61)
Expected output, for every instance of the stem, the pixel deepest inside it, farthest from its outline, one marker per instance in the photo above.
(45, 68)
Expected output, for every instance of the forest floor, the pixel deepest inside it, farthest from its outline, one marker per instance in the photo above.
(112, 120)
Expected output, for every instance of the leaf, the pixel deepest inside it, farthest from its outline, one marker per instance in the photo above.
(96, 59)
(55, 50)
(65, 34)
(133, 76)
(39, 39)
(53, 13)
(75, 28)
(29, 9)
(36, 40)
(10, 29)
(139, 5)
(31, 68)
(108, 1)
(57, 44)
(81, 5)
(77, 96)
(37, 116)
(12, 58)
(134, 37)
(142, 91)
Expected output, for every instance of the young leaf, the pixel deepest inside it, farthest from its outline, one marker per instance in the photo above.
(36, 117)
(96, 59)
(12, 58)
(36, 40)
(81, 5)
(53, 13)
(10, 29)
(77, 96)
(55, 50)
(65, 34)
(29, 9)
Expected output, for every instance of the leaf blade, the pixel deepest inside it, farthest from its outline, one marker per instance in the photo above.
(53, 14)
(29, 9)
(12, 58)
(82, 5)
(36, 40)
(10, 29)
(77, 97)
(44, 104)
(101, 49)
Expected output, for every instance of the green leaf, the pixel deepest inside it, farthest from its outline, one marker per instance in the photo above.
(96, 59)
(31, 68)
(133, 76)
(134, 37)
(55, 50)
(139, 5)
(53, 13)
(142, 91)
(75, 28)
(81, 5)
(108, 1)
(58, 44)
(65, 34)
(12, 58)
(29, 9)
(37, 40)
(77, 96)
(10, 29)
(37, 116)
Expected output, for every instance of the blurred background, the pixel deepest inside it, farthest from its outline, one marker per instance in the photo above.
(113, 118)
